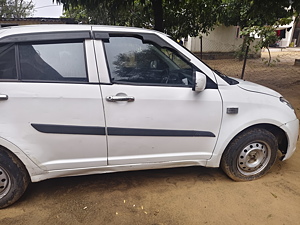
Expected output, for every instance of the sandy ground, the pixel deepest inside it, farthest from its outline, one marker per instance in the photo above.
(193, 195)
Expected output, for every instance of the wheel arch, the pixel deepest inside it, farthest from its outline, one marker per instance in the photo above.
(31, 168)
(250, 154)
(15, 158)
(279, 134)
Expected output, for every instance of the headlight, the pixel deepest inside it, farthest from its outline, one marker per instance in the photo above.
(283, 100)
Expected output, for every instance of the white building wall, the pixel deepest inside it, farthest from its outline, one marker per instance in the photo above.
(222, 39)
(285, 42)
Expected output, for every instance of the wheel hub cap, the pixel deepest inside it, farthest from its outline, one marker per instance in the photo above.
(253, 158)
(4, 182)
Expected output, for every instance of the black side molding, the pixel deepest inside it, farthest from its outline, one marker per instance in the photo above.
(67, 129)
(116, 131)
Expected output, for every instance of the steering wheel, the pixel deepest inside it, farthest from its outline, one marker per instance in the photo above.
(165, 76)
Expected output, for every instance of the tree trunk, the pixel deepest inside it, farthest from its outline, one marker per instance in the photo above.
(269, 62)
(157, 8)
(243, 49)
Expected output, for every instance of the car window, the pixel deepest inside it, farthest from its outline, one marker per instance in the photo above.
(132, 61)
(54, 61)
(7, 62)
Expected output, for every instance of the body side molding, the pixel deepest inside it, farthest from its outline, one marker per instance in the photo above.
(117, 131)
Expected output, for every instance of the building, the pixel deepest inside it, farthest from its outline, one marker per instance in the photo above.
(296, 35)
(289, 35)
(27, 21)
(222, 42)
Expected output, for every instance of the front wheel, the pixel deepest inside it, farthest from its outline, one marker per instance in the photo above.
(250, 155)
(14, 178)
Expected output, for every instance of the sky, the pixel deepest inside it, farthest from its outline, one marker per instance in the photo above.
(46, 8)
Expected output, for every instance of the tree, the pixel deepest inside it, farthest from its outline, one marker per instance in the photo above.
(247, 13)
(190, 18)
(116, 6)
(16, 8)
(181, 18)
(178, 18)
(267, 36)
(256, 16)
(105, 14)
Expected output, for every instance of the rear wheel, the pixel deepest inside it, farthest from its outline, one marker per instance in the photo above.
(14, 178)
(250, 155)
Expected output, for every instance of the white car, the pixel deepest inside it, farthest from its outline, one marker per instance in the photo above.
(82, 99)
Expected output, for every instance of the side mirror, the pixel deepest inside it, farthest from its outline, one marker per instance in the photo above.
(200, 82)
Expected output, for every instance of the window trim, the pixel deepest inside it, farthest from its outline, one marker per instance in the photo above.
(17, 60)
(145, 37)
(152, 84)
(47, 36)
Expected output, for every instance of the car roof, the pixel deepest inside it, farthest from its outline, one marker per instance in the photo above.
(29, 29)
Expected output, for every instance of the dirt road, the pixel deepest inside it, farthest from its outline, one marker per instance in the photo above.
(192, 195)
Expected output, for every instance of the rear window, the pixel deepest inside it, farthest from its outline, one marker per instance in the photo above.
(7, 62)
(55, 61)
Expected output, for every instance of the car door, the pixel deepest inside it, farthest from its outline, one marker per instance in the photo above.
(50, 108)
(152, 114)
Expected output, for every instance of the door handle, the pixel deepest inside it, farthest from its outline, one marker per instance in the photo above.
(116, 98)
(3, 97)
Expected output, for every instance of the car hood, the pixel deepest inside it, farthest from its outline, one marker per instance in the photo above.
(249, 86)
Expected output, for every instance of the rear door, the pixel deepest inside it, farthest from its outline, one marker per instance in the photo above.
(51, 102)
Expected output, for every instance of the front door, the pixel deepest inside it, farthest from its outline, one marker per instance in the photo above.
(152, 114)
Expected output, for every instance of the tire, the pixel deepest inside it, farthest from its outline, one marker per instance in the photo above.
(250, 155)
(14, 178)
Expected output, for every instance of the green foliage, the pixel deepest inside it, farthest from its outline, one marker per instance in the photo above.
(267, 35)
(189, 18)
(79, 13)
(16, 8)
(179, 18)
(108, 13)
(270, 62)
(105, 15)
(248, 13)
(257, 17)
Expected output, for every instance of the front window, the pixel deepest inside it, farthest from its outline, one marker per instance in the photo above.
(132, 61)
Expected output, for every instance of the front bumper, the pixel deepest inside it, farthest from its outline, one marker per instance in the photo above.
(292, 131)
